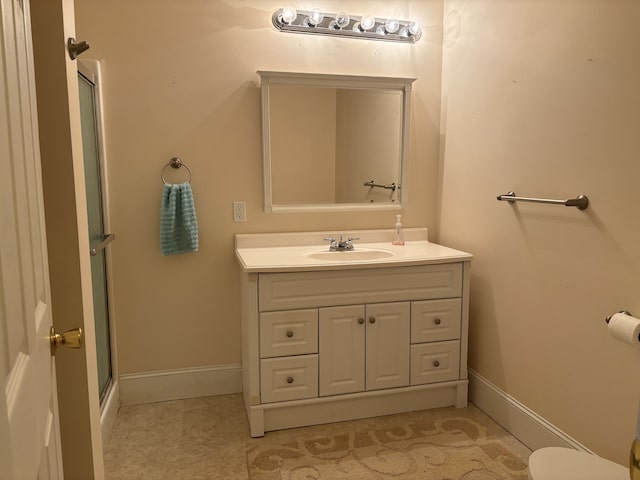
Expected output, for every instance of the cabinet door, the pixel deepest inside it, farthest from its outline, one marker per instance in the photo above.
(341, 349)
(388, 344)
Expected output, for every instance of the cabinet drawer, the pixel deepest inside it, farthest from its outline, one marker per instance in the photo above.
(288, 378)
(291, 290)
(436, 320)
(292, 332)
(435, 362)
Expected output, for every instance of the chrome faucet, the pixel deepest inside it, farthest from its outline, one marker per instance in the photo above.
(340, 245)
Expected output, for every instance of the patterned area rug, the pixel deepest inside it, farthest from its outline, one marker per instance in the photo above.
(430, 445)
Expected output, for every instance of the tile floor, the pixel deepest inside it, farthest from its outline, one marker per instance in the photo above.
(200, 438)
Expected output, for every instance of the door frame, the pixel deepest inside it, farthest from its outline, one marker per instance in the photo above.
(56, 75)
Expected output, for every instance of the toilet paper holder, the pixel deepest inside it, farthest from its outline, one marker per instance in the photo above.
(608, 319)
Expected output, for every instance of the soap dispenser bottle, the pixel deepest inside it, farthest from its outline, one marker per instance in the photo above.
(398, 234)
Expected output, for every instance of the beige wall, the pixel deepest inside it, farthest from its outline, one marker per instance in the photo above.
(179, 79)
(541, 97)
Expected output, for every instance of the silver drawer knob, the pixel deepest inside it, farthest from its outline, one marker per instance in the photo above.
(436, 363)
(437, 321)
(372, 320)
(289, 333)
(289, 379)
(361, 321)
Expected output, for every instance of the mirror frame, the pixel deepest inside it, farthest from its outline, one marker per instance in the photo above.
(403, 85)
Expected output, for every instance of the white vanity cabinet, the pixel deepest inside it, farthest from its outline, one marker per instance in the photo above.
(325, 342)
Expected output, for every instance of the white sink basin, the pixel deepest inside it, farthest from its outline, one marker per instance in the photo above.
(350, 255)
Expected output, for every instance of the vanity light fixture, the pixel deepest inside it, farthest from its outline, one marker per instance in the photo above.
(342, 24)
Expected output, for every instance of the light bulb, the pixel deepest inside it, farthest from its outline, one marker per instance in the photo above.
(288, 15)
(367, 22)
(415, 28)
(392, 25)
(342, 19)
(315, 17)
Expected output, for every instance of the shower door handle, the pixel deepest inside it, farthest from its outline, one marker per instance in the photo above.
(108, 238)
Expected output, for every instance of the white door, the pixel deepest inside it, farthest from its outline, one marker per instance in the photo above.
(341, 349)
(29, 426)
(388, 342)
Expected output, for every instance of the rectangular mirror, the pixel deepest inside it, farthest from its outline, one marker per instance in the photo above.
(334, 142)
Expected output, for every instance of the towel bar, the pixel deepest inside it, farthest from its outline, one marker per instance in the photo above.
(372, 184)
(580, 202)
(176, 163)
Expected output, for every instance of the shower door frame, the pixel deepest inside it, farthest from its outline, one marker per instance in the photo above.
(90, 69)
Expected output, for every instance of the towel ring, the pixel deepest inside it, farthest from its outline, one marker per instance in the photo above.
(176, 163)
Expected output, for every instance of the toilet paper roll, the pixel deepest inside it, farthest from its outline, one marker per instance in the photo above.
(625, 328)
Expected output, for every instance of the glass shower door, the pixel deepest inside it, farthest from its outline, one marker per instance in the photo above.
(97, 237)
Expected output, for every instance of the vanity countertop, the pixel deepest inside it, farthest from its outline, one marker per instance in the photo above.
(292, 252)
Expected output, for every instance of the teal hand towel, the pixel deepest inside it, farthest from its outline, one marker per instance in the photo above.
(178, 224)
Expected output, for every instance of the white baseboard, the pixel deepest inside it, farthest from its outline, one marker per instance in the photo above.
(110, 411)
(150, 387)
(523, 423)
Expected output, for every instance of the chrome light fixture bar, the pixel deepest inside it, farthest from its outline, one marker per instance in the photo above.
(341, 24)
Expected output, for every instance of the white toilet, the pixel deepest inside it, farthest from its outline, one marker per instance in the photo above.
(556, 463)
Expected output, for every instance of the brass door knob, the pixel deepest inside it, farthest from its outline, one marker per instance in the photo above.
(634, 460)
(71, 339)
